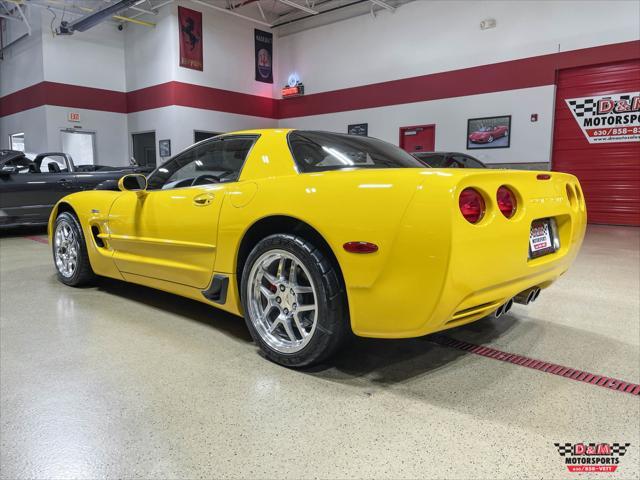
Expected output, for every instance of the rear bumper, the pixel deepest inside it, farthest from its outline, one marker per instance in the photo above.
(445, 272)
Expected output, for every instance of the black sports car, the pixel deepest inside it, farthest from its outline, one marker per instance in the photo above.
(30, 188)
(449, 160)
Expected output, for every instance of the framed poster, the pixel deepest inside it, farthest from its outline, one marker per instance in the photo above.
(264, 56)
(164, 147)
(358, 129)
(190, 23)
(489, 132)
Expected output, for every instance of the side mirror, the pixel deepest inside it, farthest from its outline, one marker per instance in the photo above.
(8, 170)
(133, 183)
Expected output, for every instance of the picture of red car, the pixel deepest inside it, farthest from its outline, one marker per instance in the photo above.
(489, 134)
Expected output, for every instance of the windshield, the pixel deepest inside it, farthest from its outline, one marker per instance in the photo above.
(322, 151)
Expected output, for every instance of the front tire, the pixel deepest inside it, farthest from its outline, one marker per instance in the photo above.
(294, 303)
(70, 255)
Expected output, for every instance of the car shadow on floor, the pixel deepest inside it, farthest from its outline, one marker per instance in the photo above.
(232, 325)
(387, 362)
(13, 232)
(381, 361)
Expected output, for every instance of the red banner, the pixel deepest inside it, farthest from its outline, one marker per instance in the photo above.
(190, 38)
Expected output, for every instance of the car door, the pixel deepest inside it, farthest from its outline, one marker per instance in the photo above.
(30, 195)
(170, 231)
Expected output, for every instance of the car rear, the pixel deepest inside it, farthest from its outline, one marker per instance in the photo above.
(471, 241)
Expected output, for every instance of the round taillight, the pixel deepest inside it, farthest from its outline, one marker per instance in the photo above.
(471, 205)
(506, 202)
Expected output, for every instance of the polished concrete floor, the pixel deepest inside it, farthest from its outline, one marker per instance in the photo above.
(120, 381)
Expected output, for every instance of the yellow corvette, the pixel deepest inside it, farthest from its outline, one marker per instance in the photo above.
(313, 235)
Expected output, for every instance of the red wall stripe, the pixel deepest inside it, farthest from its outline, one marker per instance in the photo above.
(63, 95)
(515, 74)
(511, 75)
(197, 96)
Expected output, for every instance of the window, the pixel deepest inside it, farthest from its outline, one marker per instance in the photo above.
(22, 164)
(446, 160)
(467, 162)
(51, 164)
(80, 145)
(199, 135)
(321, 151)
(435, 160)
(17, 142)
(217, 161)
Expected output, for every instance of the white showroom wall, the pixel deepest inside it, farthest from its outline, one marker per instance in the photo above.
(110, 132)
(22, 67)
(163, 122)
(423, 38)
(419, 38)
(151, 52)
(152, 58)
(22, 64)
(530, 142)
(152, 55)
(33, 123)
(436, 36)
(94, 58)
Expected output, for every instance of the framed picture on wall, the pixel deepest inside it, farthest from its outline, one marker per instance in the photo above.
(489, 132)
(361, 129)
(165, 148)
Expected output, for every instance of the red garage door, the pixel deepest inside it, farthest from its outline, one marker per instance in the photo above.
(609, 171)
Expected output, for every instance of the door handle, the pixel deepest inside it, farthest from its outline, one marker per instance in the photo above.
(203, 199)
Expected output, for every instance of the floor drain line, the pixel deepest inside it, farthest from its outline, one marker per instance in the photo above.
(540, 365)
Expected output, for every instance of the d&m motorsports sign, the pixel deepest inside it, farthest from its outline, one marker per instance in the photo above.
(608, 118)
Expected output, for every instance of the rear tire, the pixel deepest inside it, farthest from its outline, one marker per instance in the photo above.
(294, 303)
(70, 255)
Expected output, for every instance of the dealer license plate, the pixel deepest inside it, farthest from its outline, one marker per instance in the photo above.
(541, 238)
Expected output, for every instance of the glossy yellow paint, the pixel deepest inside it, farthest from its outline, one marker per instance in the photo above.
(433, 269)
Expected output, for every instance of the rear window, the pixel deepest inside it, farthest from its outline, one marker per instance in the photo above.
(436, 160)
(322, 151)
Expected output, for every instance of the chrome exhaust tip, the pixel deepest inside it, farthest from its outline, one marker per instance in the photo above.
(507, 306)
(527, 296)
(536, 294)
(498, 313)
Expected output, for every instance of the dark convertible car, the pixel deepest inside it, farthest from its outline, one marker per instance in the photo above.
(30, 188)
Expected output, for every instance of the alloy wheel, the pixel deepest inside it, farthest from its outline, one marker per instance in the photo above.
(66, 248)
(282, 301)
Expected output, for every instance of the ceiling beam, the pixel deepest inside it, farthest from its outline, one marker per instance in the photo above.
(299, 7)
(383, 4)
(231, 12)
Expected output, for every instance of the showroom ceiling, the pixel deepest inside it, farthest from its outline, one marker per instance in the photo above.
(288, 16)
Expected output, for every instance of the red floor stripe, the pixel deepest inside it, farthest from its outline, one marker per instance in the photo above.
(38, 239)
(566, 372)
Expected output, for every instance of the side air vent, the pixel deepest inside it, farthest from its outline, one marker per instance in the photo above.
(95, 231)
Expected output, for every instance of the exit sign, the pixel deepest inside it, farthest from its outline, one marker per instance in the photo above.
(73, 117)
